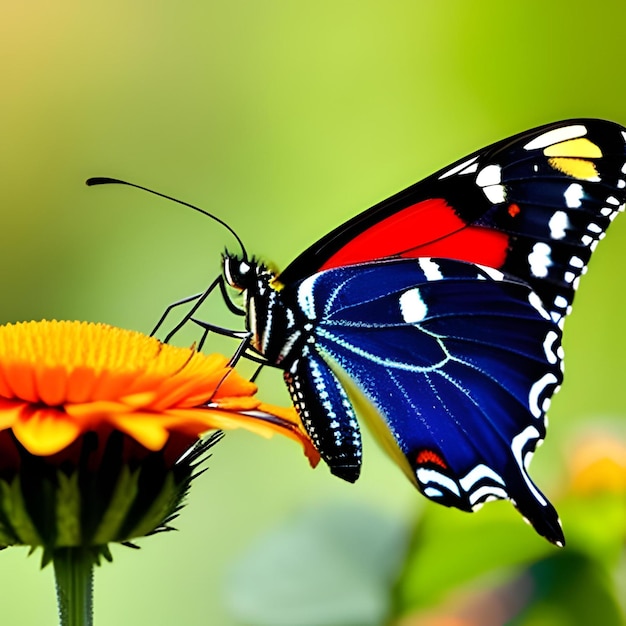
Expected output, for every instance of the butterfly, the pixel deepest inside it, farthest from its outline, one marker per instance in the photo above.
(438, 313)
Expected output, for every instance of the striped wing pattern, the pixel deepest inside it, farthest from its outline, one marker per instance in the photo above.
(459, 361)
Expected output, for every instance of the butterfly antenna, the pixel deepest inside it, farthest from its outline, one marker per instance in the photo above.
(103, 180)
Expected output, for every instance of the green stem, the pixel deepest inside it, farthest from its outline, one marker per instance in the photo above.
(73, 571)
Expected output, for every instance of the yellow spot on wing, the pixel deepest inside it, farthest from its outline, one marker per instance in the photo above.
(570, 157)
(581, 148)
(577, 168)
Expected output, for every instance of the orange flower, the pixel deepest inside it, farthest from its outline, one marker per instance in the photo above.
(100, 431)
(59, 380)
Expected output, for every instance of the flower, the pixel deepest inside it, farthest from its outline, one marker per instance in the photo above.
(598, 464)
(94, 421)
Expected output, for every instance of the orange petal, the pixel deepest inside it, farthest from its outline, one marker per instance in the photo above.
(45, 431)
(266, 420)
(51, 384)
(139, 400)
(93, 374)
(80, 384)
(110, 385)
(10, 410)
(5, 389)
(234, 385)
(19, 377)
(293, 429)
(151, 433)
(90, 414)
(244, 403)
(183, 393)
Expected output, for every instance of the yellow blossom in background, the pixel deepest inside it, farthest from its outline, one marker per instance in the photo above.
(598, 465)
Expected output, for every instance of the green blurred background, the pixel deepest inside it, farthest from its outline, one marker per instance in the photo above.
(283, 118)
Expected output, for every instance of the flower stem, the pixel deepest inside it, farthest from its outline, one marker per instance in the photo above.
(73, 571)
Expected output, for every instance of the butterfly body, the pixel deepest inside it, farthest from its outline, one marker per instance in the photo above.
(440, 312)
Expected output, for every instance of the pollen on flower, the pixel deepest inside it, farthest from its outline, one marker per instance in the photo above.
(102, 429)
(59, 380)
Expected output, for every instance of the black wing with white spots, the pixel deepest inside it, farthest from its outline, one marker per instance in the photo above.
(534, 206)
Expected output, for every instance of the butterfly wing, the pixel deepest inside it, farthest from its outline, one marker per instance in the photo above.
(458, 364)
(534, 206)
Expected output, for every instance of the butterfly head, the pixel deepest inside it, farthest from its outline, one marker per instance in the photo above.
(239, 273)
(246, 275)
(254, 282)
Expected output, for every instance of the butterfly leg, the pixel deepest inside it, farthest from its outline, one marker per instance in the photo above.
(169, 308)
(244, 343)
(327, 415)
(199, 299)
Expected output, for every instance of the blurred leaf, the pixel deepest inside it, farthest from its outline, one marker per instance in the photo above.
(596, 525)
(571, 589)
(565, 589)
(329, 566)
(450, 548)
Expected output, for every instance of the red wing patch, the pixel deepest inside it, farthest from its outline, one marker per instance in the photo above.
(427, 228)
(514, 210)
(429, 457)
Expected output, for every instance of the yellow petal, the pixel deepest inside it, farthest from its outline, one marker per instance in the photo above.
(45, 431)
(62, 379)
(149, 432)
(10, 411)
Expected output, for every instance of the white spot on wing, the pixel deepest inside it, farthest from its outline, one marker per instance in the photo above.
(558, 224)
(430, 268)
(485, 494)
(540, 260)
(556, 136)
(549, 347)
(560, 302)
(489, 178)
(496, 194)
(412, 307)
(470, 169)
(479, 473)
(517, 447)
(489, 175)
(537, 304)
(458, 168)
(426, 476)
(492, 273)
(573, 195)
(537, 390)
(305, 296)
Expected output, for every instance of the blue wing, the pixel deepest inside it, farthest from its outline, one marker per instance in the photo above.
(458, 362)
